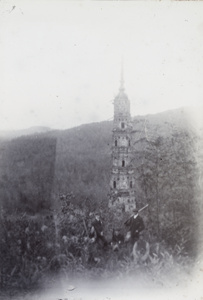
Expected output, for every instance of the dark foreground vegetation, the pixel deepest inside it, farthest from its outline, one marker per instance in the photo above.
(35, 250)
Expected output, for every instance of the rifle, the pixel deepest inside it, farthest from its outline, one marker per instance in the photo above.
(143, 208)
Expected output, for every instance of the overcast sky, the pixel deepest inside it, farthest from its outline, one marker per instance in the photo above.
(61, 60)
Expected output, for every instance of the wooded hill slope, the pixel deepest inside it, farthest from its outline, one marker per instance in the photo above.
(35, 168)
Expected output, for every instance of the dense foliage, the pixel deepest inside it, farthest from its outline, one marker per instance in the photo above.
(38, 249)
(167, 173)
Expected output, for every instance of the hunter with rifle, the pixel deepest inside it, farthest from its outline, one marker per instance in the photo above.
(135, 225)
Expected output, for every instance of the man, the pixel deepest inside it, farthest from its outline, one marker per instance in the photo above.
(135, 225)
(97, 230)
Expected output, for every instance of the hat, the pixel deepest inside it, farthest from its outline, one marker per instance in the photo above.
(135, 210)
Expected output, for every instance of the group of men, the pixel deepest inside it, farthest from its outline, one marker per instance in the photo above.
(134, 226)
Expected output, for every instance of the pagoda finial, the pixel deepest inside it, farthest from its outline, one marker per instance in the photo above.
(122, 77)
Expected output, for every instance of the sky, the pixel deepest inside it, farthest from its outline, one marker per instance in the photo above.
(61, 60)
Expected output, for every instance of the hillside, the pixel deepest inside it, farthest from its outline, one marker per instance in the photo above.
(78, 160)
(27, 173)
(83, 161)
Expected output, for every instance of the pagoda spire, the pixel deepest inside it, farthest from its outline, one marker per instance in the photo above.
(122, 78)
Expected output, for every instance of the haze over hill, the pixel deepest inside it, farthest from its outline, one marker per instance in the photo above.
(10, 134)
(184, 116)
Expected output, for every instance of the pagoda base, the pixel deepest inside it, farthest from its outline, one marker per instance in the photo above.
(124, 201)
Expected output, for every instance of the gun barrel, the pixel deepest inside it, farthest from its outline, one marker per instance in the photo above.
(143, 207)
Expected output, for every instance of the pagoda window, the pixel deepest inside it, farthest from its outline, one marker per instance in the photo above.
(122, 125)
(131, 184)
(116, 143)
(114, 184)
(123, 163)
